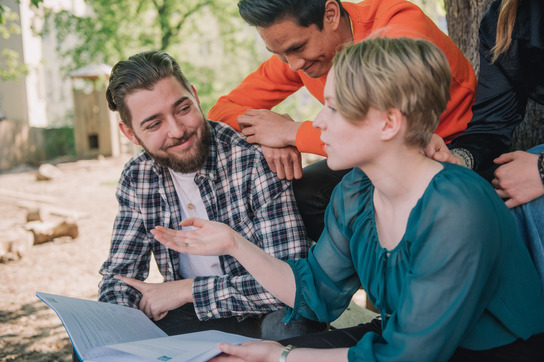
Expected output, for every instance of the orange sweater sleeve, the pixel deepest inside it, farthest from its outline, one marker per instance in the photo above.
(308, 139)
(267, 86)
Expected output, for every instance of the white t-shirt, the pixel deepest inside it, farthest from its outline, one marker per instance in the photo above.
(188, 193)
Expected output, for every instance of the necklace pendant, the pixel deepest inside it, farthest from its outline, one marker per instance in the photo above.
(190, 206)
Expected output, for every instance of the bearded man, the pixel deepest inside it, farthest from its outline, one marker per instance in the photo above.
(192, 167)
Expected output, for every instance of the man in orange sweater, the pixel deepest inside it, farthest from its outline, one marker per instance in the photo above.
(304, 37)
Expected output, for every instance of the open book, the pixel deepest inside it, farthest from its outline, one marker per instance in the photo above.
(109, 332)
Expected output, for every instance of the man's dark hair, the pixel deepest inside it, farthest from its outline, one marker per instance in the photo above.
(263, 13)
(141, 71)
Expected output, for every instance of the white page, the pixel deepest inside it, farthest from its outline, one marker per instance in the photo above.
(112, 355)
(198, 346)
(92, 324)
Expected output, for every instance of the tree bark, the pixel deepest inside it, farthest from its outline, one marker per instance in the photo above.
(530, 132)
(463, 17)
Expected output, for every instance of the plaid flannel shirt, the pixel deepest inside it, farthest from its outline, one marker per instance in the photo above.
(238, 189)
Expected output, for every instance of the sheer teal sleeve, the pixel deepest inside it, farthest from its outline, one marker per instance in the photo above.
(327, 280)
(456, 236)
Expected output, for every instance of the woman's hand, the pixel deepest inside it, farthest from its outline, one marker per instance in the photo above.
(265, 351)
(254, 351)
(213, 238)
(209, 238)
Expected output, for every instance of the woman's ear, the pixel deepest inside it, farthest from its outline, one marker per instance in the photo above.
(392, 124)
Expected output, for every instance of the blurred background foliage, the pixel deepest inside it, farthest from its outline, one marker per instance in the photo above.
(203, 36)
(213, 45)
(10, 64)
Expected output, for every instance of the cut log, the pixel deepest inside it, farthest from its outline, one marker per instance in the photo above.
(47, 210)
(33, 214)
(15, 242)
(47, 172)
(47, 231)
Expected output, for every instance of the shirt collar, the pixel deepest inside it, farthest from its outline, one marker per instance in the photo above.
(209, 168)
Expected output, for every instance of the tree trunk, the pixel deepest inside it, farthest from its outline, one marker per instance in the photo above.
(530, 132)
(463, 17)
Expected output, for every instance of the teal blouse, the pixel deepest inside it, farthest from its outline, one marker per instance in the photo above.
(460, 276)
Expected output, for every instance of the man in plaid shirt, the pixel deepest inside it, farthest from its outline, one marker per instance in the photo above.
(193, 167)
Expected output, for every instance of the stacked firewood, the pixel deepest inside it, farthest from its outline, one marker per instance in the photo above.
(43, 223)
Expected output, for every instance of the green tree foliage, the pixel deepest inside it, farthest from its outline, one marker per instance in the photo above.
(208, 38)
(4, 10)
(10, 65)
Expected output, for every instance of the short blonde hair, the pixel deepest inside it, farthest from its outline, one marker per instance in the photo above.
(411, 75)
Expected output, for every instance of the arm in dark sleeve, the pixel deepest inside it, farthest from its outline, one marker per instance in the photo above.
(500, 104)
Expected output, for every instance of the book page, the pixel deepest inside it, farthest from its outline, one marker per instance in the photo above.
(194, 347)
(91, 324)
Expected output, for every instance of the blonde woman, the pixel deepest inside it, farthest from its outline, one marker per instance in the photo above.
(432, 244)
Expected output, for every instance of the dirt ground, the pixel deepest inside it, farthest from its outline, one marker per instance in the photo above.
(29, 330)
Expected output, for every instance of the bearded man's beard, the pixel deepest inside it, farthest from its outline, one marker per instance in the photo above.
(188, 164)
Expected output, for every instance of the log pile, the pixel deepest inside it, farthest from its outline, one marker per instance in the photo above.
(44, 222)
(14, 243)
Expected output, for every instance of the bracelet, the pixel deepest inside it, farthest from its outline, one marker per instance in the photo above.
(465, 156)
(285, 352)
(541, 167)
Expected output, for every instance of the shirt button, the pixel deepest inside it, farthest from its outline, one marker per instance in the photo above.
(210, 314)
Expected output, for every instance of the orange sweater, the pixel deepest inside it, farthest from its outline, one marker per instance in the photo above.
(273, 81)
